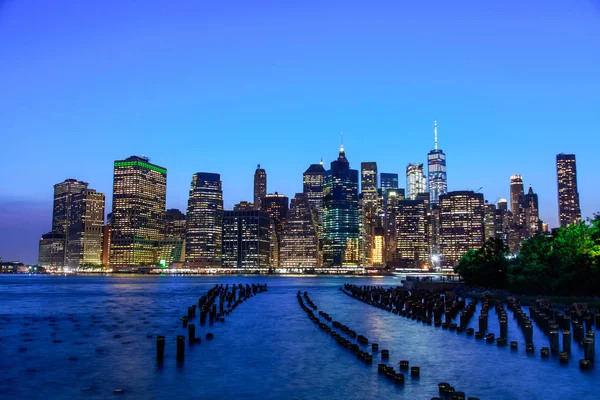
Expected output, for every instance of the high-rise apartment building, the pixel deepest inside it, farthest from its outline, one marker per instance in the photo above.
(569, 211)
(260, 186)
(461, 225)
(138, 215)
(436, 170)
(246, 239)
(416, 182)
(340, 213)
(411, 232)
(300, 240)
(204, 229)
(85, 230)
(388, 181)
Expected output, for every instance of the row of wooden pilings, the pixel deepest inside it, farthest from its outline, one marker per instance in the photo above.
(227, 301)
(552, 322)
(425, 306)
(365, 356)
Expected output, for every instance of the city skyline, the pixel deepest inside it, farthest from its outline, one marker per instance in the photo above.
(269, 92)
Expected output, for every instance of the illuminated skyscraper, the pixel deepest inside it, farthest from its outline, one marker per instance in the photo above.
(138, 215)
(246, 239)
(369, 206)
(300, 241)
(204, 231)
(312, 180)
(378, 247)
(260, 186)
(516, 192)
(388, 181)
(531, 213)
(461, 225)
(340, 213)
(489, 223)
(568, 197)
(416, 182)
(390, 210)
(63, 196)
(85, 231)
(436, 169)
(411, 232)
(276, 205)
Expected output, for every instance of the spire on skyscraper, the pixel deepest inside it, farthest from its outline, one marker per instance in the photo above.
(435, 134)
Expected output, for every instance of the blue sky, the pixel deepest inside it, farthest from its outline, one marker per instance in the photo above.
(222, 86)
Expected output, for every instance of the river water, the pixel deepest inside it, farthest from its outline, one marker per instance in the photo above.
(84, 336)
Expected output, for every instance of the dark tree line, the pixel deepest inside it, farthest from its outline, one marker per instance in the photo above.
(564, 263)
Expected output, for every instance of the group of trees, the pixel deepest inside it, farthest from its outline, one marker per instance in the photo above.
(564, 263)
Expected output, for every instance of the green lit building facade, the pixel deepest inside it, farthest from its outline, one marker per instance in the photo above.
(138, 215)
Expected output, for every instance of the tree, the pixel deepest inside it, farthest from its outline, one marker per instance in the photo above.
(487, 266)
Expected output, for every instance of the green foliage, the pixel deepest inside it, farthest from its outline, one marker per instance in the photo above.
(487, 266)
(565, 263)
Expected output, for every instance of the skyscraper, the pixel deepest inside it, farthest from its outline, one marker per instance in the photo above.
(299, 240)
(85, 231)
(77, 220)
(415, 181)
(369, 204)
(138, 215)
(340, 213)
(568, 197)
(489, 223)
(312, 180)
(204, 229)
(388, 181)
(411, 232)
(276, 205)
(246, 239)
(516, 191)
(436, 170)
(171, 248)
(63, 196)
(531, 213)
(175, 223)
(461, 225)
(260, 186)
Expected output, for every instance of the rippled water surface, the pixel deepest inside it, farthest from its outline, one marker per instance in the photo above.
(84, 336)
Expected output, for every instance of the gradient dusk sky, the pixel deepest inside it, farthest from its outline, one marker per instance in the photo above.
(220, 86)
